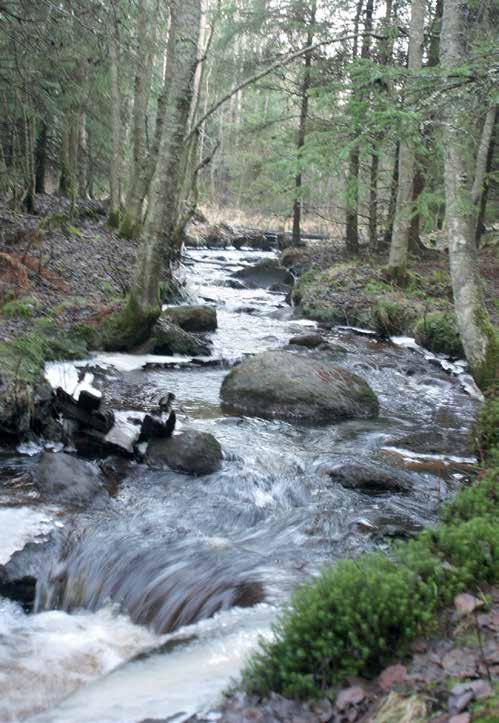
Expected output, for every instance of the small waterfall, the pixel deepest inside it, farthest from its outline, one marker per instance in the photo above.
(162, 584)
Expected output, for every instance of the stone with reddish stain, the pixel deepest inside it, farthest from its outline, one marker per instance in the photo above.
(391, 676)
(350, 696)
(466, 603)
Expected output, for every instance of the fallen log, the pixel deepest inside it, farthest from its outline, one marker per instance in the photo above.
(100, 421)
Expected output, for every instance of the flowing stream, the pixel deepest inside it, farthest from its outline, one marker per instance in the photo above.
(149, 603)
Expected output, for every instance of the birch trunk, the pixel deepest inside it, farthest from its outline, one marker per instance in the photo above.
(157, 250)
(397, 264)
(476, 331)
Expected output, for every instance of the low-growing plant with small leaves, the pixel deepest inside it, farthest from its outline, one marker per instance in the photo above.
(437, 331)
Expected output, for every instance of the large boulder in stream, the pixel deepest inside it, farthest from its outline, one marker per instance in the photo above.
(285, 385)
(264, 274)
(169, 338)
(64, 478)
(190, 452)
(193, 318)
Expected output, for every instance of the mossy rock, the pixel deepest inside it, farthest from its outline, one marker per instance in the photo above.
(438, 332)
(129, 327)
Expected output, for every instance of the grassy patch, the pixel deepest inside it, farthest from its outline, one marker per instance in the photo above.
(361, 295)
(438, 332)
(22, 308)
(24, 358)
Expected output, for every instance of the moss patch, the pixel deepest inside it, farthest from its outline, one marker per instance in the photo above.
(22, 308)
(129, 327)
(356, 293)
(438, 332)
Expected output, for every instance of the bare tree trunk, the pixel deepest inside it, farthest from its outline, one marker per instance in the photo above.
(393, 198)
(352, 201)
(131, 222)
(302, 129)
(41, 158)
(373, 201)
(83, 157)
(397, 264)
(473, 322)
(156, 248)
(482, 206)
(483, 152)
(116, 125)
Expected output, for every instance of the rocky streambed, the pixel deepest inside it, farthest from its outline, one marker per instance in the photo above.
(151, 582)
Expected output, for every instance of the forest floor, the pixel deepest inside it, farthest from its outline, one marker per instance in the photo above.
(59, 264)
(335, 290)
(452, 677)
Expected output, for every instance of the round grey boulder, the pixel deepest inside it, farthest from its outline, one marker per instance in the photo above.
(193, 318)
(265, 274)
(285, 385)
(62, 477)
(190, 452)
(309, 340)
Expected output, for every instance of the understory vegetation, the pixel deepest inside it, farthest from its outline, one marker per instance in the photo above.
(361, 614)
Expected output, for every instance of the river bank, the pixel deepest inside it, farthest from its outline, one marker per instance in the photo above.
(268, 520)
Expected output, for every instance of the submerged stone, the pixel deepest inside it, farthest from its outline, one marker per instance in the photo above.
(370, 477)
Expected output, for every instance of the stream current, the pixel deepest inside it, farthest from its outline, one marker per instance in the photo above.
(145, 624)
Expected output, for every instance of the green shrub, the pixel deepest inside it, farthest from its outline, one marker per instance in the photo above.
(479, 500)
(357, 614)
(23, 308)
(438, 332)
(487, 431)
(390, 317)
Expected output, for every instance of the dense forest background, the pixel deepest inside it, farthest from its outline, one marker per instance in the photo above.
(373, 123)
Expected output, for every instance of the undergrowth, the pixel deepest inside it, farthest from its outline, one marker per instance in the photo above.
(361, 613)
(24, 358)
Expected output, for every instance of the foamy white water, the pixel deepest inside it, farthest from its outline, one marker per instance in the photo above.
(189, 676)
(52, 654)
(19, 525)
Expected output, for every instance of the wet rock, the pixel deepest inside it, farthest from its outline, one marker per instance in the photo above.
(279, 289)
(234, 284)
(295, 258)
(190, 452)
(311, 340)
(370, 477)
(192, 318)
(169, 338)
(65, 478)
(265, 274)
(281, 384)
(435, 442)
(25, 408)
(21, 589)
